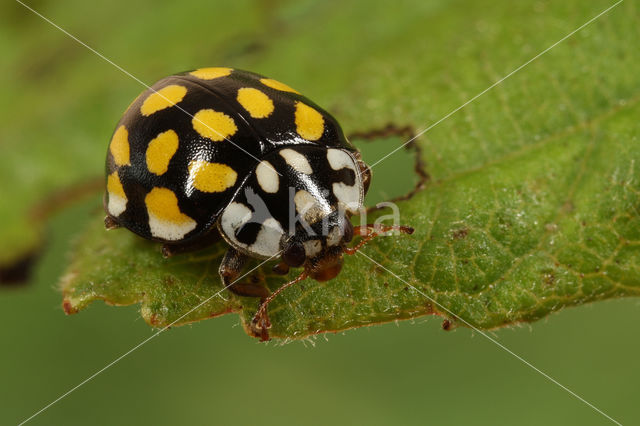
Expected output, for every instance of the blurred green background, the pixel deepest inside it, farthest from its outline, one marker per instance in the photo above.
(59, 105)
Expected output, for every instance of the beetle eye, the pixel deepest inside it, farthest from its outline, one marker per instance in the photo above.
(294, 255)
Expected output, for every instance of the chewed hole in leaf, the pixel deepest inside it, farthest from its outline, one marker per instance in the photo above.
(377, 143)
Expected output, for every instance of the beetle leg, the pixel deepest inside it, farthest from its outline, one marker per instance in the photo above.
(261, 317)
(230, 269)
(369, 232)
(281, 268)
(110, 222)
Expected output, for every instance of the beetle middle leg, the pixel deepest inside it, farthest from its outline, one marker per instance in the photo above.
(230, 271)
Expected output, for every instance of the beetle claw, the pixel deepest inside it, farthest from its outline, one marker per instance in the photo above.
(260, 326)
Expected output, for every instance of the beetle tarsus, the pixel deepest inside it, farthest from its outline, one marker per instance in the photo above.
(260, 325)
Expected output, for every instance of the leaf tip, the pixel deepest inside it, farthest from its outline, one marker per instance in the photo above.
(68, 307)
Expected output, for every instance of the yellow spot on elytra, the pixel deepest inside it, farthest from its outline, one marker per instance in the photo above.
(160, 151)
(211, 72)
(164, 98)
(309, 122)
(275, 84)
(117, 198)
(119, 146)
(214, 125)
(114, 186)
(163, 204)
(211, 177)
(255, 102)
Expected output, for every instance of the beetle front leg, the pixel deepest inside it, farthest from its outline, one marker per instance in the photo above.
(230, 269)
(110, 222)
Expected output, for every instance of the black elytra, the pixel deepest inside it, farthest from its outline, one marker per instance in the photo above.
(220, 152)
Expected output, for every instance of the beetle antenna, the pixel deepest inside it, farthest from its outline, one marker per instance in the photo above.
(369, 232)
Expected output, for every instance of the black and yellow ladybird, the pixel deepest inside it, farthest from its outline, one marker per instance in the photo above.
(220, 152)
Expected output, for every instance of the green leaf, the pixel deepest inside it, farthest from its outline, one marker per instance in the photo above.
(533, 202)
(122, 269)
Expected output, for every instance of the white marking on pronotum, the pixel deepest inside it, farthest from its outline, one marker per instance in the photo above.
(339, 159)
(267, 177)
(334, 236)
(296, 160)
(267, 242)
(350, 197)
(309, 207)
(268, 239)
(234, 216)
(312, 247)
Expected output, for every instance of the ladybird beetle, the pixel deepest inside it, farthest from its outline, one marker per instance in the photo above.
(224, 153)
